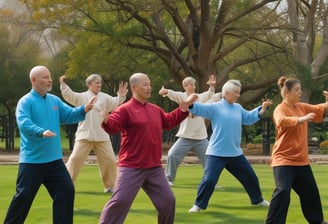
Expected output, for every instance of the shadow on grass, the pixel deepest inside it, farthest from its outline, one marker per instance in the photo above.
(94, 193)
(86, 212)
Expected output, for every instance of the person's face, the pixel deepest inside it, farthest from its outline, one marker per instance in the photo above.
(42, 82)
(232, 96)
(95, 86)
(294, 95)
(190, 88)
(142, 89)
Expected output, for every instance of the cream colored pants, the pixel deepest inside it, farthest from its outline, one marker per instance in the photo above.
(105, 157)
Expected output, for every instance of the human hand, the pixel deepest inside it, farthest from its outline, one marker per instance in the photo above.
(62, 79)
(266, 104)
(162, 91)
(325, 93)
(90, 104)
(122, 89)
(186, 103)
(48, 133)
(211, 80)
(308, 117)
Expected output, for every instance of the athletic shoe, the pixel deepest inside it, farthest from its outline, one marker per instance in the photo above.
(108, 190)
(219, 187)
(194, 209)
(170, 183)
(264, 203)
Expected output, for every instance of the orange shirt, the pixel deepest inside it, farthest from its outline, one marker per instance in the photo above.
(291, 145)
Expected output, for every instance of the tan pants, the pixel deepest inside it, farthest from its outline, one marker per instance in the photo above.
(105, 157)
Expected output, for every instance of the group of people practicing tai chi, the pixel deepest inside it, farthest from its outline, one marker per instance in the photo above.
(140, 123)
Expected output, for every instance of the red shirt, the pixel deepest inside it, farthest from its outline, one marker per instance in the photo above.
(141, 126)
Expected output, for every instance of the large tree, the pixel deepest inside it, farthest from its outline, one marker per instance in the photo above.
(308, 23)
(192, 37)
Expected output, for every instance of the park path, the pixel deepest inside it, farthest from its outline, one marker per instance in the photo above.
(12, 158)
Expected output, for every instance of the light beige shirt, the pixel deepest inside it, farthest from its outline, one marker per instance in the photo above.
(193, 127)
(90, 129)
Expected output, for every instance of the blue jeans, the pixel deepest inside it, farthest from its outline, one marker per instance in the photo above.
(239, 167)
(301, 180)
(55, 177)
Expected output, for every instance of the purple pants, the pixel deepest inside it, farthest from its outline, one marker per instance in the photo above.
(128, 183)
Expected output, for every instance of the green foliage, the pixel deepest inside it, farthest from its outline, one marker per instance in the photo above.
(304, 75)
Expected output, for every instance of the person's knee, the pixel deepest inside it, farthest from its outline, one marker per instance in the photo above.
(282, 192)
(68, 191)
(167, 204)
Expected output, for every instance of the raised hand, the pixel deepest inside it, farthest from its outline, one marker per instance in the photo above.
(211, 80)
(162, 91)
(122, 89)
(90, 104)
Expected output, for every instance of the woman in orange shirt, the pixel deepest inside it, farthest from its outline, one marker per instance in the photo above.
(291, 167)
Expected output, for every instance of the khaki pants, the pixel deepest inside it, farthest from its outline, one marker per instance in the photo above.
(105, 157)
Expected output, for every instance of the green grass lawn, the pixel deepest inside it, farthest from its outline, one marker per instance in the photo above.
(230, 205)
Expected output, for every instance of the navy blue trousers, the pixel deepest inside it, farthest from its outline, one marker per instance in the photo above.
(301, 180)
(239, 167)
(55, 177)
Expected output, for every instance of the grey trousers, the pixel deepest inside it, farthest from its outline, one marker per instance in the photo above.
(179, 150)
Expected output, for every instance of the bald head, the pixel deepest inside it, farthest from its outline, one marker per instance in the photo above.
(140, 86)
(41, 80)
(38, 70)
(137, 77)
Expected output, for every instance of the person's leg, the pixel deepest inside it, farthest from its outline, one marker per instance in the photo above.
(306, 188)
(243, 171)
(157, 188)
(174, 157)
(284, 177)
(213, 168)
(28, 182)
(127, 186)
(61, 189)
(106, 162)
(199, 148)
(77, 158)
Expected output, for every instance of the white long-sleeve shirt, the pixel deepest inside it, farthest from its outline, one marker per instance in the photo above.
(193, 127)
(90, 129)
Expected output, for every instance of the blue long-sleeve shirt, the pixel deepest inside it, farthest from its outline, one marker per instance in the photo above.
(226, 120)
(36, 114)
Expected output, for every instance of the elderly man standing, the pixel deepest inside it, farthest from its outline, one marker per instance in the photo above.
(39, 115)
(89, 134)
(141, 124)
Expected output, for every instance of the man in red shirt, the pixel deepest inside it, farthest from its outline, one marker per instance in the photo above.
(141, 124)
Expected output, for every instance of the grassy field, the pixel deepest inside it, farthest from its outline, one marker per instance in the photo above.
(228, 205)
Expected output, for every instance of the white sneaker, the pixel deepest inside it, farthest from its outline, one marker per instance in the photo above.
(194, 209)
(264, 203)
(170, 183)
(219, 187)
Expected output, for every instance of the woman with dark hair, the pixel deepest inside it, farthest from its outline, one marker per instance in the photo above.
(290, 162)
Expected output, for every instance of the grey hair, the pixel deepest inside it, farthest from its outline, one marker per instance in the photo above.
(188, 80)
(230, 86)
(92, 78)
